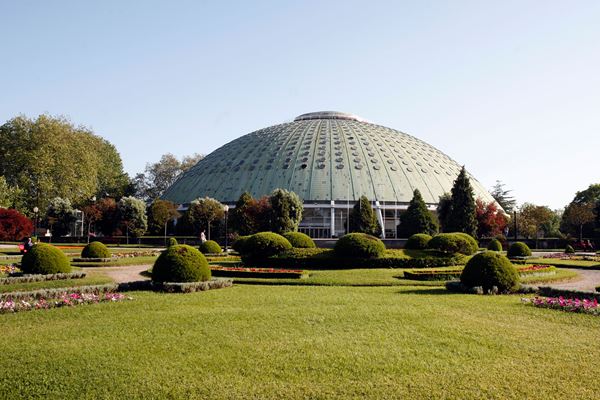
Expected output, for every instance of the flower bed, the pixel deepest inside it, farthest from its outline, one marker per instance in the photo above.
(40, 278)
(64, 300)
(8, 269)
(243, 272)
(586, 306)
(536, 270)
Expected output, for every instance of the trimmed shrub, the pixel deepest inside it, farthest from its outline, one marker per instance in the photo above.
(95, 250)
(14, 225)
(569, 249)
(456, 242)
(45, 259)
(518, 249)
(239, 243)
(489, 270)
(210, 247)
(299, 240)
(359, 245)
(265, 244)
(172, 242)
(180, 263)
(494, 245)
(418, 241)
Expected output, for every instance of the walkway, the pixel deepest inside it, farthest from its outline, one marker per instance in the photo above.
(129, 273)
(587, 280)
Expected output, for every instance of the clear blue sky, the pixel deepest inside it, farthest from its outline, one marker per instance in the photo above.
(511, 89)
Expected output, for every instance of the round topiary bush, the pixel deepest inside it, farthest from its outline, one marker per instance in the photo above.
(456, 242)
(265, 244)
(359, 245)
(210, 247)
(494, 245)
(418, 241)
(489, 269)
(95, 250)
(180, 263)
(172, 242)
(299, 240)
(569, 249)
(45, 259)
(518, 249)
(239, 243)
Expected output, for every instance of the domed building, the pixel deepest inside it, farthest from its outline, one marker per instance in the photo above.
(329, 159)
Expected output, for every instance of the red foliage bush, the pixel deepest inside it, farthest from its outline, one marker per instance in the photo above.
(14, 225)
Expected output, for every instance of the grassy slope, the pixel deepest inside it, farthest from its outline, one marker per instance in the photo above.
(302, 342)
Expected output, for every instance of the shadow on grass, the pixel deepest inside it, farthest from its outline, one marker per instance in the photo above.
(428, 291)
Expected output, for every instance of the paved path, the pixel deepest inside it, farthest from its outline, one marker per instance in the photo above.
(129, 273)
(587, 280)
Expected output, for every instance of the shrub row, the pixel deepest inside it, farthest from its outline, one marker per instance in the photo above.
(58, 292)
(189, 287)
(571, 294)
(40, 278)
(433, 275)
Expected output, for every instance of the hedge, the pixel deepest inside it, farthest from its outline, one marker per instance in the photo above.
(435, 275)
(418, 241)
(210, 247)
(299, 240)
(41, 278)
(456, 242)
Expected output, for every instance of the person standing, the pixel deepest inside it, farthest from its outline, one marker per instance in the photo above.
(202, 237)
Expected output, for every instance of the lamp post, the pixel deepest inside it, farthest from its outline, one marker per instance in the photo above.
(36, 210)
(226, 209)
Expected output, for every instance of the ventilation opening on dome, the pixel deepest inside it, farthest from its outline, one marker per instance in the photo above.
(329, 115)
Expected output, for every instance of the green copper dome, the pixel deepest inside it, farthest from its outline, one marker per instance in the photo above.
(323, 156)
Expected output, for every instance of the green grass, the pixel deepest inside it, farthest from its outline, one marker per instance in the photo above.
(560, 275)
(119, 262)
(92, 278)
(277, 342)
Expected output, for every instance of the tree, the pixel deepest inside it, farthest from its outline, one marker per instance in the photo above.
(490, 221)
(286, 211)
(10, 196)
(534, 221)
(503, 197)
(92, 214)
(49, 157)
(14, 225)
(108, 223)
(579, 214)
(159, 214)
(260, 213)
(443, 210)
(240, 219)
(363, 218)
(203, 212)
(461, 215)
(591, 195)
(60, 215)
(157, 177)
(132, 216)
(417, 218)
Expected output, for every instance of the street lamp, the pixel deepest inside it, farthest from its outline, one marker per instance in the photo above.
(226, 209)
(36, 210)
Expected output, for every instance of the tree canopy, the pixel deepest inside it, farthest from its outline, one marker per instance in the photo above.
(286, 211)
(417, 218)
(50, 157)
(202, 212)
(461, 213)
(363, 218)
(503, 197)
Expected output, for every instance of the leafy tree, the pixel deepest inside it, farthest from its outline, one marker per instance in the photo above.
(579, 214)
(159, 214)
(203, 212)
(60, 215)
(158, 176)
(461, 216)
(363, 218)
(108, 223)
(92, 214)
(132, 216)
(417, 218)
(591, 195)
(260, 213)
(10, 196)
(286, 211)
(443, 210)
(490, 221)
(240, 219)
(534, 221)
(14, 225)
(503, 197)
(49, 157)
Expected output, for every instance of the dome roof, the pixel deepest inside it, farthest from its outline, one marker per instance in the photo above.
(323, 156)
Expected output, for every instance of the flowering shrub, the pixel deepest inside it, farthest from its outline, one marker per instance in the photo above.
(565, 304)
(8, 269)
(65, 300)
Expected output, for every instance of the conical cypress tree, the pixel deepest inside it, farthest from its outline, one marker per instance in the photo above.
(461, 216)
(363, 218)
(417, 218)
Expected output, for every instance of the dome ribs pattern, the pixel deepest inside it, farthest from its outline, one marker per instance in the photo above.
(323, 156)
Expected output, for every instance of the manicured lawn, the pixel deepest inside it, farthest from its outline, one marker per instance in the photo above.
(118, 262)
(301, 342)
(565, 263)
(91, 278)
(561, 274)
